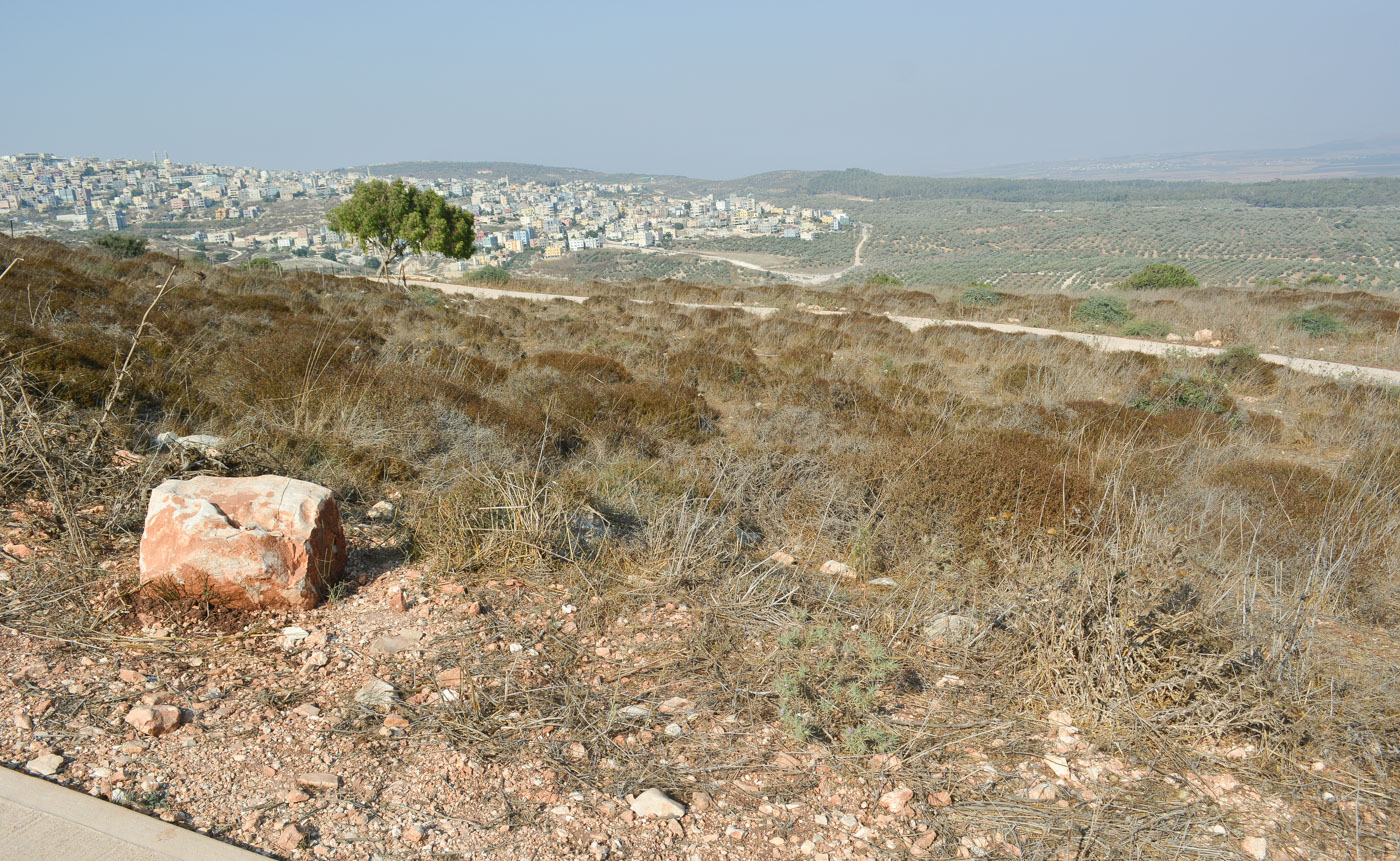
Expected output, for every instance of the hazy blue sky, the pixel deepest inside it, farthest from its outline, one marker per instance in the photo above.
(709, 88)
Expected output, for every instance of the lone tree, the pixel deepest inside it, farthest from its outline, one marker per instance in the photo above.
(1160, 276)
(120, 245)
(394, 218)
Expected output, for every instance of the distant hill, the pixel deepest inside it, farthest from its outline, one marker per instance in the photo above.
(1335, 188)
(493, 169)
(1335, 159)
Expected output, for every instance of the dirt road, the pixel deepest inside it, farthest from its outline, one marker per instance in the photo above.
(1105, 343)
(795, 277)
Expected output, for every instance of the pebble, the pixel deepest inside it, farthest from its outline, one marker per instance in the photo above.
(950, 627)
(319, 780)
(896, 799)
(46, 765)
(833, 568)
(154, 719)
(288, 839)
(375, 693)
(23, 722)
(657, 804)
(406, 640)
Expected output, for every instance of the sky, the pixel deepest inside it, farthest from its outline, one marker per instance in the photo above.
(711, 89)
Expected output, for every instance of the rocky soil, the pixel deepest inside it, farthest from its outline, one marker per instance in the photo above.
(411, 718)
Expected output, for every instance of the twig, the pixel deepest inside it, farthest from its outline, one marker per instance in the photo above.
(126, 363)
(11, 266)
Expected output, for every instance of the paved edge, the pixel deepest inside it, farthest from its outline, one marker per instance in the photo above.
(112, 821)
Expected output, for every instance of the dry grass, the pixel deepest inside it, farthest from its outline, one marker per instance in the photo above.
(1138, 546)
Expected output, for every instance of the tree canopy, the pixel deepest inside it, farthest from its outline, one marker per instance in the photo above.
(395, 218)
(1159, 276)
(120, 245)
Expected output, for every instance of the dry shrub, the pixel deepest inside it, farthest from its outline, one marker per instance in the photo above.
(1020, 376)
(597, 368)
(1028, 478)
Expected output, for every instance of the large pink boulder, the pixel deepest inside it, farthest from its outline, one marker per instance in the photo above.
(245, 543)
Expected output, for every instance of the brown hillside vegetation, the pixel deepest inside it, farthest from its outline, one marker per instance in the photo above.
(1092, 605)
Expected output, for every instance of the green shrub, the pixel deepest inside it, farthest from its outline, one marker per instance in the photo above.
(981, 295)
(1315, 322)
(426, 296)
(262, 264)
(1106, 310)
(884, 279)
(1146, 329)
(120, 246)
(1160, 276)
(1272, 282)
(835, 682)
(488, 275)
(1181, 391)
(1313, 280)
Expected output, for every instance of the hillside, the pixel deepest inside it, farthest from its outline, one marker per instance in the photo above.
(835, 588)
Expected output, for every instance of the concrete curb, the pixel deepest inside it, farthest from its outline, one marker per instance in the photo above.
(40, 819)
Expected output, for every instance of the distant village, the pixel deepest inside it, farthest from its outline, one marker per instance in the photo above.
(225, 210)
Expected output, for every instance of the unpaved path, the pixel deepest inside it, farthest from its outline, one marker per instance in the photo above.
(795, 277)
(1105, 343)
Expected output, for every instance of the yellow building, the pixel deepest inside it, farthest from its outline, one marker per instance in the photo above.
(553, 251)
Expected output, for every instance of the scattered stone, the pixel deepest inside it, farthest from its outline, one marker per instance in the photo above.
(201, 442)
(397, 601)
(885, 582)
(396, 722)
(413, 834)
(832, 568)
(376, 694)
(245, 543)
(307, 710)
(288, 839)
(635, 711)
(1043, 791)
(1058, 764)
(1203, 335)
(674, 730)
(701, 801)
(45, 766)
(322, 780)
(1173, 337)
(1255, 847)
(575, 751)
(896, 799)
(154, 719)
(315, 660)
(951, 628)
(19, 551)
(781, 558)
(23, 722)
(407, 640)
(658, 804)
(381, 510)
(131, 677)
(677, 705)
